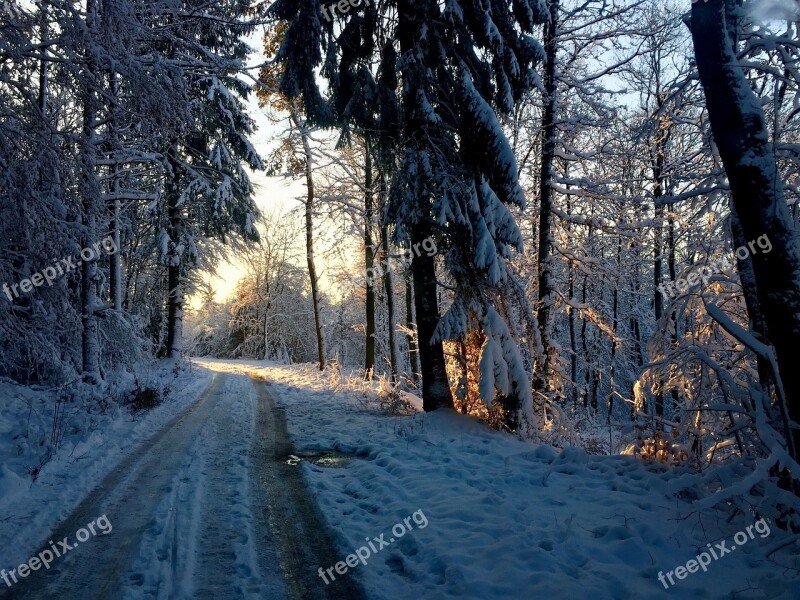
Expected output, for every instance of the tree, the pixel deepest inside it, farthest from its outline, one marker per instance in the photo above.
(296, 159)
(546, 185)
(308, 157)
(757, 197)
(123, 122)
(369, 261)
(271, 316)
(205, 161)
(461, 64)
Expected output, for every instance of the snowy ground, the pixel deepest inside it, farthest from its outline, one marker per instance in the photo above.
(507, 519)
(93, 445)
(483, 514)
(189, 513)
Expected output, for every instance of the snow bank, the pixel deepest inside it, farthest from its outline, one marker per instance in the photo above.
(508, 519)
(94, 442)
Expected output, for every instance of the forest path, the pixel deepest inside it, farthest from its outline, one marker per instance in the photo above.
(208, 508)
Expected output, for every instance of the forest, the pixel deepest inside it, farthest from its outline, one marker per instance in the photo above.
(574, 220)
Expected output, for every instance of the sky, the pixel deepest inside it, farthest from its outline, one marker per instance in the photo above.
(273, 194)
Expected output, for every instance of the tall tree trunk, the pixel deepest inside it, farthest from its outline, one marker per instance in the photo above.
(369, 263)
(547, 176)
(309, 206)
(435, 385)
(573, 341)
(673, 274)
(413, 350)
(585, 346)
(388, 281)
(660, 141)
(658, 271)
(115, 205)
(740, 132)
(633, 319)
(412, 17)
(658, 257)
(90, 192)
(615, 330)
(750, 292)
(175, 295)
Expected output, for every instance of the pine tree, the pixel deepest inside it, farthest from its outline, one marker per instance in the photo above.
(207, 190)
(461, 64)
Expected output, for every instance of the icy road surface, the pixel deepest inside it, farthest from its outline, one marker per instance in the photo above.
(208, 508)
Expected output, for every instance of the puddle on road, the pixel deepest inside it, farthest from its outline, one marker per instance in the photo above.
(327, 458)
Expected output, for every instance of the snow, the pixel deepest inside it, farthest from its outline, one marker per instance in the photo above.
(507, 519)
(93, 445)
(206, 522)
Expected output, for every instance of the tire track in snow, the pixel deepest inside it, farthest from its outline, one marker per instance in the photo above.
(92, 570)
(209, 508)
(230, 490)
(304, 541)
(165, 520)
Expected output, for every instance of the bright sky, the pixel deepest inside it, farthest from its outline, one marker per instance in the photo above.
(273, 195)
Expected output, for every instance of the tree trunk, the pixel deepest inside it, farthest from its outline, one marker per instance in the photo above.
(658, 270)
(660, 141)
(585, 346)
(750, 292)
(388, 282)
(412, 18)
(435, 385)
(673, 274)
(573, 341)
(546, 195)
(739, 129)
(614, 344)
(174, 259)
(90, 192)
(115, 259)
(309, 206)
(413, 350)
(658, 258)
(369, 264)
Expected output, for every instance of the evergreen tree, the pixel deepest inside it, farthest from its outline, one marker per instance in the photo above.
(461, 65)
(207, 191)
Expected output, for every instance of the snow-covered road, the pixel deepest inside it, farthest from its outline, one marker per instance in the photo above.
(190, 514)
(233, 496)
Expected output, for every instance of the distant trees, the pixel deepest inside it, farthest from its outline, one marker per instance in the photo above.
(270, 316)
